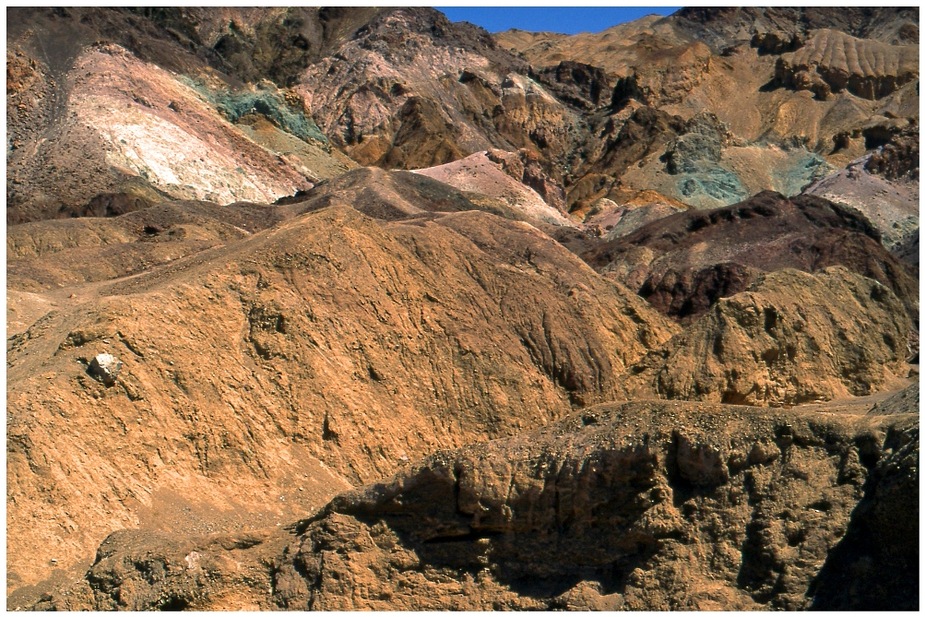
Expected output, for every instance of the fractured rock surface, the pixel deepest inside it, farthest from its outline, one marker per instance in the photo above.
(792, 337)
(670, 506)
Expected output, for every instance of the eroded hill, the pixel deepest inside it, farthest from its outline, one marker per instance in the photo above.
(506, 365)
(685, 262)
(348, 344)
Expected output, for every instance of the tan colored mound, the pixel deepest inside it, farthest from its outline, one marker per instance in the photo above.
(397, 195)
(617, 219)
(792, 338)
(479, 174)
(833, 61)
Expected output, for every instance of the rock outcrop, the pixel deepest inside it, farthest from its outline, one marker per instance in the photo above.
(640, 516)
(792, 337)
(638, 506)
(105, 367)
(898, 158)
(581, 85)
(686, 261)
(831, 62)
(413, 90)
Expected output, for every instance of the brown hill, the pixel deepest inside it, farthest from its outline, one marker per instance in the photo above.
(327, 349)
(792, 337)
(685, 262)
(639, 506)
(832, 61)
(48, 255)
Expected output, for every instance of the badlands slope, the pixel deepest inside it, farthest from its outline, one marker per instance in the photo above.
(411, 317)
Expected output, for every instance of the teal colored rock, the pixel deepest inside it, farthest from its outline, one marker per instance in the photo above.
(267, 102)
(803, 169)
(234, 105)
(712, 182)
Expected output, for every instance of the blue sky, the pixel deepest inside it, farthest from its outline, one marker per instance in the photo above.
(567, 20)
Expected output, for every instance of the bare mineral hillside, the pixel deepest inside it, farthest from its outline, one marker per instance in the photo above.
(348, 344)
(339, 308)
(684, 262)
(754, 70)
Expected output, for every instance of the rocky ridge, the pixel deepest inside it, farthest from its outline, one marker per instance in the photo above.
(684, 262)
(831, 62)
(775, 28)
(753, 504)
